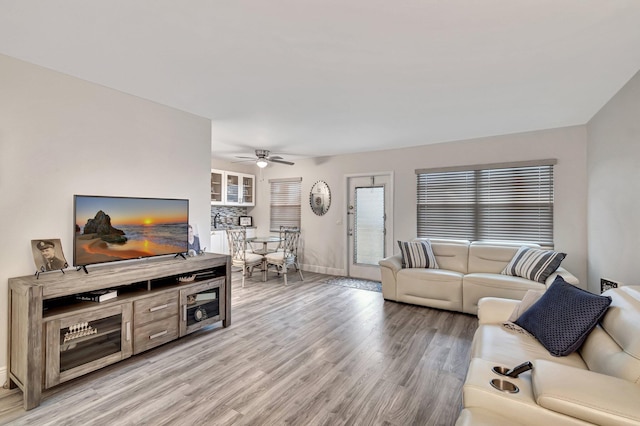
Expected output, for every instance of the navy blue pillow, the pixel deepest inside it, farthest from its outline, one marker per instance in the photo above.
(563, 317)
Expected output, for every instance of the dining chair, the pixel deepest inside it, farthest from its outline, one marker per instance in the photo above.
(287, 257)
(240, 256)
(282, 230)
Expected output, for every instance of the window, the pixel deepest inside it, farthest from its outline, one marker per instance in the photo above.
(285, 203)
(368, 232)
(512, 202)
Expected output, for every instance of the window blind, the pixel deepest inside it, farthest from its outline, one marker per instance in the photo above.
(285, 203)
(512, 203)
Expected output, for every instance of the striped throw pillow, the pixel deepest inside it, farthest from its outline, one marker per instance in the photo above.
(534, 264)
(417, 254)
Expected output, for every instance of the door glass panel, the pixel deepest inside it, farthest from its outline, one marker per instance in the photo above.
(216, 187)
(89, 341)
(203, 305)
(369, 225)
(247, 190)
(232, 189)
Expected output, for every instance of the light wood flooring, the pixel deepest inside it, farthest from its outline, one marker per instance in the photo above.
(306, 354)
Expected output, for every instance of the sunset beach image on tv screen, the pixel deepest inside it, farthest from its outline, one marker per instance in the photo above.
(121, 228)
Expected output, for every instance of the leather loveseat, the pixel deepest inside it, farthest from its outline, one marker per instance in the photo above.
(597, 384)
(467, 272)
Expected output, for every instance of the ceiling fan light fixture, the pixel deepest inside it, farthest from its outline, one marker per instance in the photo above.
(262, 163)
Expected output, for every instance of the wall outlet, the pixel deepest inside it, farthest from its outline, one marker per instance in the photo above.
(606, 284)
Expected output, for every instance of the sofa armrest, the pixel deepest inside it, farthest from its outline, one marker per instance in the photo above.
(495, 310)
(392, 262)
(584, 394)
(566, 275)
(389, 268)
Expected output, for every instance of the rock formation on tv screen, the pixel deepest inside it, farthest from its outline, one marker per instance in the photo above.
(100, 225)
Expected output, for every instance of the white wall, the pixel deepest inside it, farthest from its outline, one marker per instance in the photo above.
(61, 136)
(614, 188)
(324, 236)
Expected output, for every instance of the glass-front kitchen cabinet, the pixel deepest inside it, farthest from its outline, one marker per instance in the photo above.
(232, 188)
(217, 187)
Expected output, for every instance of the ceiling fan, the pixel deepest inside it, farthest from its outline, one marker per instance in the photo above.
(262, 159)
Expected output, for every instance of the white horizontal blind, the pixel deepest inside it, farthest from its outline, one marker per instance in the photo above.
(446, 204)
(507, 203)
(285, 203)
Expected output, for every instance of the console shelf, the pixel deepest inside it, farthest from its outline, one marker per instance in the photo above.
(53, 337)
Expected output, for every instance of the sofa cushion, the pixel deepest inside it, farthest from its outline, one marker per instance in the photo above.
(530, 297)
(592, 397)
(437, 288)
(479, 285)
(613, 347)
(451, 254)
(507, 347)
(563, 317)
(491, 257)
(534, 264)
(417, 254)
(624, 318)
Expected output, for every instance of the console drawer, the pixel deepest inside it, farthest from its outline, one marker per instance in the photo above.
(155, 334)
(151, 309)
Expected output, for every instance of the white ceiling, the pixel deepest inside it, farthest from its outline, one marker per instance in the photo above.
(308, 78)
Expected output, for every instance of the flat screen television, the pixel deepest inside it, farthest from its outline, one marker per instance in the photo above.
(109, 229)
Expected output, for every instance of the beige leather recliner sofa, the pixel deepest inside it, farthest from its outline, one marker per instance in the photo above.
(597, 384)
(467, 272)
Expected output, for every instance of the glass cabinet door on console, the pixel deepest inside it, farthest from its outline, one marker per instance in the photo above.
(202, 305)
(86, 341)
(217, 187)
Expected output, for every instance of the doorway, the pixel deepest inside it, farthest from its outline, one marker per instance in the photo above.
(369, 223)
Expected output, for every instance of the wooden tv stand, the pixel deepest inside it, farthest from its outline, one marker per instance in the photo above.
(54, 337)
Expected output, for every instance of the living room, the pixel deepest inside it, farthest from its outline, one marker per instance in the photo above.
(61, 135)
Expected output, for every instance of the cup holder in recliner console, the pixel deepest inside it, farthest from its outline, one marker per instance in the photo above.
(513, 372)
(500, 370)
(504, 386)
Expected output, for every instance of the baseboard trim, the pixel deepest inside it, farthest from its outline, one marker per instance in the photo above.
(323, 270)
(3, 375)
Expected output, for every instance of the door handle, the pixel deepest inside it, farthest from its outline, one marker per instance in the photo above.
(155, 336)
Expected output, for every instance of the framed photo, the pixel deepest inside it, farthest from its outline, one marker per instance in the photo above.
(193, 242)
(606, 284)
(48, 255)
(246, 221)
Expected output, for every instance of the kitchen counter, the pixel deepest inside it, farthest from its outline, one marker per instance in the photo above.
(225, 227)
(219, 242)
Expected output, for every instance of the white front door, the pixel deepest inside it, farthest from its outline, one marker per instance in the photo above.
(369, 223)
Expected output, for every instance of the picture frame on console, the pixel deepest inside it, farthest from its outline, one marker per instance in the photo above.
(193, 241)
(48, 255)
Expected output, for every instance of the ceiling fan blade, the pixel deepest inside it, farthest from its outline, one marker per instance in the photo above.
(275, 157)
(246, 158)
(281, 161)
(244, 161)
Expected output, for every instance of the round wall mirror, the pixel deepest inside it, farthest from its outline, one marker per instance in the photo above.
(320, 198)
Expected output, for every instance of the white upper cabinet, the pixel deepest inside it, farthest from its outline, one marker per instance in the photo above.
(232, 189)
(248, 186)
(217, 187)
